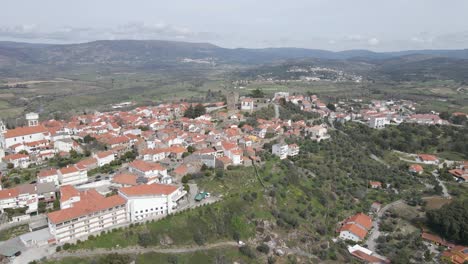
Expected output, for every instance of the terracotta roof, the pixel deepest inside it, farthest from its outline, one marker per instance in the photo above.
(150, 189)
(416, 168)
(15, 157)
(125, 179)
(23, 131)
(367, 258)
(90, 202)
(354, 229)
(146, 166)
(47, 172)
(361, 219)
(69, 169)
(427, 157)
(104, 154)
(67, 192)
(8, 193)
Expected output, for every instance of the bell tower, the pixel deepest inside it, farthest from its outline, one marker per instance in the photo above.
(33, 119)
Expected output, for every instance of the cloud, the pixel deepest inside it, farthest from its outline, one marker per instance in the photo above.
(373, 41)
(133, 30)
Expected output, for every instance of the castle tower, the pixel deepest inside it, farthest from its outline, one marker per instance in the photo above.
(33, 119)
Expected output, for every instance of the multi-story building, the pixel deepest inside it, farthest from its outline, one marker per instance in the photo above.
(280, 150)
(147, 201)
(71, 175)
(18, 160)
(48, 175)
(91, 213)
(19, 197)
(247, 104)
(378, 122)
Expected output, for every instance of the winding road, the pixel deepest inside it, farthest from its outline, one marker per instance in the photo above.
(375, 233)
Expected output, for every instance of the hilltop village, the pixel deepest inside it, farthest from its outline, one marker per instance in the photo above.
(71, 179)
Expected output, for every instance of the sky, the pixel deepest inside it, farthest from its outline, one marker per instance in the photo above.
(379, 25)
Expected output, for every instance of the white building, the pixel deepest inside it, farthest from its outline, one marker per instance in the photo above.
(247, 104)
(92, 214)
(104, 158)
(18, 197)
(378, 122)
(293, 150)
(18, 160)
(148, 201)
(33, 119)
(318, 133)
(48, 175)
(71, 175)
(23, 135)
(280, 150)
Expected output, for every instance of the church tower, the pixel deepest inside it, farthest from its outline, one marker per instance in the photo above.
(33, 119)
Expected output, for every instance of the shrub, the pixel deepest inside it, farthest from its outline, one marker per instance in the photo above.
(247, 251)
(264, 248)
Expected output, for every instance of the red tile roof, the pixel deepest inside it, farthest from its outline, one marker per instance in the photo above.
(24, 131)
(354, 229)
(125, 179)
(90, 202)
(146, 166)
(47, 172)
(361, 219)
(150, 189)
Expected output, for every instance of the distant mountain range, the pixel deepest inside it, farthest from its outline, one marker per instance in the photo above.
(156, 53)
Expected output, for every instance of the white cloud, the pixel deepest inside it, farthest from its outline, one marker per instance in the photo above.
(373, 41)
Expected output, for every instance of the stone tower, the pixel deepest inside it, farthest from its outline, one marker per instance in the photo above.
(232, 99)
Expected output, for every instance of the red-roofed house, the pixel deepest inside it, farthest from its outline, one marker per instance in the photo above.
(416, 169)
(149, 170)
(48, 175)
(104, 158)
(428, 159)
(18, 160)
(356, 227)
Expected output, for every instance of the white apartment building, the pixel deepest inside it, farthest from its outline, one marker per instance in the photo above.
(148, 201)
(280, 150)
(71, 175)
(91, 214)
(293, 150)
(378, 122)
(20, 196)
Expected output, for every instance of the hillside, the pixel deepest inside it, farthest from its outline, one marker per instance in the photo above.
(149, 55)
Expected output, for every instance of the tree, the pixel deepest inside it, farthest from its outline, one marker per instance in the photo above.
(194, 112)
(331, 107)
(444, 115)
(257, 93)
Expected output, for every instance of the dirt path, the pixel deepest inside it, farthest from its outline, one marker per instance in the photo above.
(141, 250)
(445, 192)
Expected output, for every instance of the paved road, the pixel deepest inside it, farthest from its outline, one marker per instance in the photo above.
(141, 250)
(445, 192)
(375, 233)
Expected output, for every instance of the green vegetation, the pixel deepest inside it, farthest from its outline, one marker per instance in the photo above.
(451, 221)
(13, 232)
(194, 112)
(412, 138)
(220, 255)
